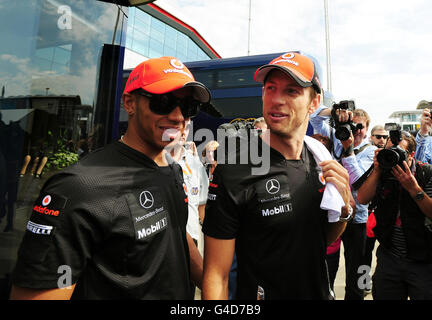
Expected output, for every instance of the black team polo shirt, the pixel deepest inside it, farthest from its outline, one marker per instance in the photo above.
(118, 221)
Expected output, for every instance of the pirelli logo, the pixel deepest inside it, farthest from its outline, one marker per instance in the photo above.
(39, 228)
(152, 228)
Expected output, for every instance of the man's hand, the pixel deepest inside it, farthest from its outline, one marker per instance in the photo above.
(344, 115)
(375, 161)
(425, 122)
(406, 178)
(348, 144)
(334, 172)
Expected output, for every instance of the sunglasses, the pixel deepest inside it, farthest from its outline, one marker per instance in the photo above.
(163, 104)
(381, 136)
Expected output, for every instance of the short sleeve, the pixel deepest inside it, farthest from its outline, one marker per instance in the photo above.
(222, 213)
(61, 234)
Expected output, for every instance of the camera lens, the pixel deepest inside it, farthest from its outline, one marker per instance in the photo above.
(387, 158)
(343, 132)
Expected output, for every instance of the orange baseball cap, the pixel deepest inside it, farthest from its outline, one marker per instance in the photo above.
(163, 75)
(300, 67)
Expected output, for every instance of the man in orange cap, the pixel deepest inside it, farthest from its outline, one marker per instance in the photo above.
(274, 222)
(114, 225)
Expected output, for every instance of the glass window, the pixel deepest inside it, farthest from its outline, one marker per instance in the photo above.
(239, 107)
(236, 77)
(142, 27)
(141, 16)
(49, 110)
(162, 39)
(156, 48)
(169, 52)
(45, 53)
(62, 56)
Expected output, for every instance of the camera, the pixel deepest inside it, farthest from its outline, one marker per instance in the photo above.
(388, 158)
(343, 129)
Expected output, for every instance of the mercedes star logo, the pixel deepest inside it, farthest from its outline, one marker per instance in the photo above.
(146, 199)
(272, 186)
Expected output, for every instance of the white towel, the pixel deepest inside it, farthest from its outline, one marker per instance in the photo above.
(332, 200)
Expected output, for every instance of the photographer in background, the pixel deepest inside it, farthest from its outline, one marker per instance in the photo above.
(423, 139)
(402, 189)
(356, 154)
(379, 136)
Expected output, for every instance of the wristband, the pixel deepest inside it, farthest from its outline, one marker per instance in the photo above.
(349, 210)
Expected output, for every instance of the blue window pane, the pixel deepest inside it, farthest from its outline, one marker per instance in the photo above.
(156, 49)
(45, 53)
(182, 39)
(140, 47)
(139, 36)
(129, 42)
(62, 56)
(170, 32)
(158, 25)
(43, 64)
(131, 16)
(169, 52)
(156, 34)
(60, 68)
(142, 27)
(142, 16)
(181, 49)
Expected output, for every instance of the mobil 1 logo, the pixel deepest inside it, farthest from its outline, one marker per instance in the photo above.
(148, 212)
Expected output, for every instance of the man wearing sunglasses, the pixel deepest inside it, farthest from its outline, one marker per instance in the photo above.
(379, 136)
(114, 225)
(356, 155)
(424, 138)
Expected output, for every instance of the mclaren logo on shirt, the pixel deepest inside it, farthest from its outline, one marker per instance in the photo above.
(153, 228)
(285, 208)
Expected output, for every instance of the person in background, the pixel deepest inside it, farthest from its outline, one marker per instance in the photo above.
(403, 213)
(424, 139)
(356, 155)
(379, 136)
(260, 124)
(208, 157)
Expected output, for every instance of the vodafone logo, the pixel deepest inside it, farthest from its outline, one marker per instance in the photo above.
(179, 67)
(321, 178)
(177, 64)
(288, 55)
(44, 210)
(46, 201)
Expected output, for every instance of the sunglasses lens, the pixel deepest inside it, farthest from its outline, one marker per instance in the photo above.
(379, 136)
(166, 103)
(190, 107)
